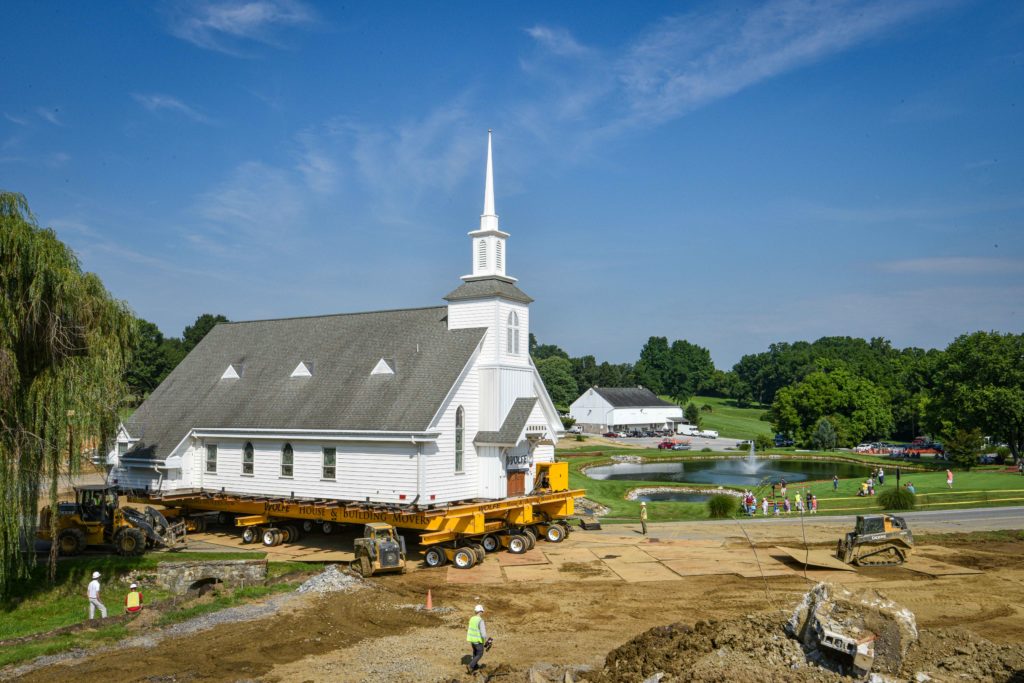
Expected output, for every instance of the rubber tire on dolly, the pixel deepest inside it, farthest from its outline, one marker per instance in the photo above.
(479, 550)
(555, 533)
(272, 537)
(327, 527)
(518, 544)
(225, 518)
(249, 534)
(307, 525)
(434, 557)
(292, 532)
(531, 538)
(200, 524)
(490, 543)
(464, 558)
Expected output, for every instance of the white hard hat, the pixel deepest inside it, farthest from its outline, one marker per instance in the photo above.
(643, 503)
(478, 608)
(134, 585)
(95, 575)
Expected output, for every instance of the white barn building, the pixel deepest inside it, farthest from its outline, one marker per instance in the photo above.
(602, 409)
(417, 406)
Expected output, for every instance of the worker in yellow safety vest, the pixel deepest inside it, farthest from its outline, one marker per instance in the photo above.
(476, 636)
(643, 517)
(133, 601)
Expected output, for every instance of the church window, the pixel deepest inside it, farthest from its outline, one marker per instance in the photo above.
(287, 460)
(330, 462)
(248, 459)
(460, 437)
(481, 255)
(211, 459)
(512, 342)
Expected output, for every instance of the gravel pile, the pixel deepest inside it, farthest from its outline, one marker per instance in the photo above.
(331, 580)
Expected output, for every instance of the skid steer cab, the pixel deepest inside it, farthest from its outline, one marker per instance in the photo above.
(96, 518)
(380, 550)
(876, 540)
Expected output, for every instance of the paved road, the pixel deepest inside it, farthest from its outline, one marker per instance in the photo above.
(818, 529)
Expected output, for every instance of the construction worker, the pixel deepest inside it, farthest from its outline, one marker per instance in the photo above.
(94, 597)
(133, 601)
(476, 636)
(643, 517)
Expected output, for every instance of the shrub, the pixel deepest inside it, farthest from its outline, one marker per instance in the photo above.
(721, 506)
(567, 422)
(580, 437)
(763, 442)
(706, 408)
(705, 450)
(1004, 453)
(824, 437)
(897, 499)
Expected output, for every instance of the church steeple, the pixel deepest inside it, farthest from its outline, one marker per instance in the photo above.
(488, 242)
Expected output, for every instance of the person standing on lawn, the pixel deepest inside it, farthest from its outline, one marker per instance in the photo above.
(949, 478)
(643, 518)
(881, 477)
(835, 483)
(93, 593)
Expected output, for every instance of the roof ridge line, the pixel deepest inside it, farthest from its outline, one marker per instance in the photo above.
(332, 315)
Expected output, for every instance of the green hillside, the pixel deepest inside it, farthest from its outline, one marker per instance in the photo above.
(728, 420)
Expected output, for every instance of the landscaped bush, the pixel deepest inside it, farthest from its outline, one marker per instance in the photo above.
(706, 408)
(705, 450)
(580, 437)
(897, 499)
(722, 506)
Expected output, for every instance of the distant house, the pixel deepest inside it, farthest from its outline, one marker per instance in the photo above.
(601, 409)
(410, 407)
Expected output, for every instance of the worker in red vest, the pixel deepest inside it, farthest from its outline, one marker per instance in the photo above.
(133, 601)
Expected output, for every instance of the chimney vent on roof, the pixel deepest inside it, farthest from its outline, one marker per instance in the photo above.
(303, 369)
(385, 366)
(234, 371)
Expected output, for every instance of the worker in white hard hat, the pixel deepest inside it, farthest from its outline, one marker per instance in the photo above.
(133, 601)
(476, 635)
(643, 517)
(94, 597)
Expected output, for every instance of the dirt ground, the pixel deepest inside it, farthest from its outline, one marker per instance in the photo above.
(573, 619)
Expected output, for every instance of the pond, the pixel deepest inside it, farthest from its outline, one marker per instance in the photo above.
(731, 472)
(669, 496)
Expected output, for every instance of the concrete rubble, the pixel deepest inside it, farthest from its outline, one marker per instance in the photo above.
(853, 633)
(331, 580)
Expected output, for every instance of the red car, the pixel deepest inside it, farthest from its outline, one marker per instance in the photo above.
(666, 445)
(610, 435)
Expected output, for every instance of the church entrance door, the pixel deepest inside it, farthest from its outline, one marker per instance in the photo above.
(516, 483)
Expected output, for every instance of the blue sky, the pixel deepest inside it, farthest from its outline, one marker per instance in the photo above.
(732, 174)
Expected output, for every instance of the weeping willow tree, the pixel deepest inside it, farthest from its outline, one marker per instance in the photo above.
(64, 346)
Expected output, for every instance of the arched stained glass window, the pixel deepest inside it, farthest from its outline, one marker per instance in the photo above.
(460, 437)
(512, 341)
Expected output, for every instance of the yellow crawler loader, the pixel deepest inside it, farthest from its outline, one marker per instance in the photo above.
(876, 541)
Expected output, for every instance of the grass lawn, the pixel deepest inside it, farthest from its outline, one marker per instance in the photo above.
(730, 421)
(982, 487)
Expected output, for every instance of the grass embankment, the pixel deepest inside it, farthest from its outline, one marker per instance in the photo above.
(729, 420)
(37, 607)
(983, 487)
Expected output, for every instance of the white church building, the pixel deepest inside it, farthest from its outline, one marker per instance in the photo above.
(416, 406)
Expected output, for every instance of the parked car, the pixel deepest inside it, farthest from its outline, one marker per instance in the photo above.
(610, 435)
(622, 435)
(708, 433)
(680, 446)
(666, 445)
(783, 441)
(746, 443)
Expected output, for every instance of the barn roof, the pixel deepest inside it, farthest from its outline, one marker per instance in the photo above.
(339, 392)
(632, 397)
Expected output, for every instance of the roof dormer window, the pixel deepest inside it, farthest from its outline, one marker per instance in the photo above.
(303, 369)
(385, 366)
(234, 371)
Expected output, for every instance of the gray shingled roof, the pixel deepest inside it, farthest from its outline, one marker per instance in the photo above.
(482, 289)
(341, 394)
(513, 425)
(632, 397)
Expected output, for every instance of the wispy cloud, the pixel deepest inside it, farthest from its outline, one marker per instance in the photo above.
(49, 115)
(953, 265)
(230, 27)
(16, 119)
(156, 102)
(688, 61)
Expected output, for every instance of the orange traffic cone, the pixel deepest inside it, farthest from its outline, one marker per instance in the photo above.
(430, 600)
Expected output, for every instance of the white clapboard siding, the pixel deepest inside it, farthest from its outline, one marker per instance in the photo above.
(442, 482)
(382, 472)
(491, 467)
(591, 409)
(473, 314)
(504, 357)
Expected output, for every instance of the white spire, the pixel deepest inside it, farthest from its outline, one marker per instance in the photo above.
(489, 219)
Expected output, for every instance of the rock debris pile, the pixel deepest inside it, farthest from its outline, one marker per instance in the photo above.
(331, 580)
(833, 636)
